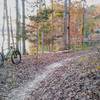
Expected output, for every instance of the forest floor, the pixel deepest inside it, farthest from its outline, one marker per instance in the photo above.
(56, 76)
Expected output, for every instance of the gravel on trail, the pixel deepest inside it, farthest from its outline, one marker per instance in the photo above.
(57, 76)
(13, 76)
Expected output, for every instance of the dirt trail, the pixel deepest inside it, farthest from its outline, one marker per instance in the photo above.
(23, 92)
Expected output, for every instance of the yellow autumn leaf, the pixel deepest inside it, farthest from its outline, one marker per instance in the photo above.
(98, 67)
(83, 59)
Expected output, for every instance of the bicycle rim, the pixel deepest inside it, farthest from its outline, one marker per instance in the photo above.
(1, 60)
(16, 57)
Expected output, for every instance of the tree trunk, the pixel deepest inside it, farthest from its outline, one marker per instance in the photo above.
(52, 24)
(23, 27)
(65, 24)
(3, 36)
(69, 25)
(37, 45)
(83, 23)
(17, 24)
(42, 42)
(7, 19)
(52, 43)
(12, 36)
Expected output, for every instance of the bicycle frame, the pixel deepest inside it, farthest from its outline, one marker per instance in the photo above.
(12, 54)
(8, 54)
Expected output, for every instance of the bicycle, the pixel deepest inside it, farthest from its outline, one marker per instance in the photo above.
(12, 54)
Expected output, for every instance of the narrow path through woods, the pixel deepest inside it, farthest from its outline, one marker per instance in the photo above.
(24, 91)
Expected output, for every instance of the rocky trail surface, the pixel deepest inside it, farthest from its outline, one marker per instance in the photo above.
(13, 76)
(56, 76)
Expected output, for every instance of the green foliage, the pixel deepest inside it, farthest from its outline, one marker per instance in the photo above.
(92, 8)
(19, 36)
(43, 15)
(33, 50)
(59, 14)
(45, 28)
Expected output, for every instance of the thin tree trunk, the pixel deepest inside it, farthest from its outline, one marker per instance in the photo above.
(83, 23)
(37, 43)
(7, 19)
(3, 36)
(69, 25)
(52, 24)
(42, 42)
(23, 27)
(52, 43)
(12, 36)
(49, 45)
(17, 24)
(65, 24)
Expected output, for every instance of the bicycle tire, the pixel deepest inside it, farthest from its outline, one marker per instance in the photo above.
(15, 54)
(1, 59)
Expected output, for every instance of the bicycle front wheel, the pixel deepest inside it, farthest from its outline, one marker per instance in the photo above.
(16, 57)
(1, 59)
